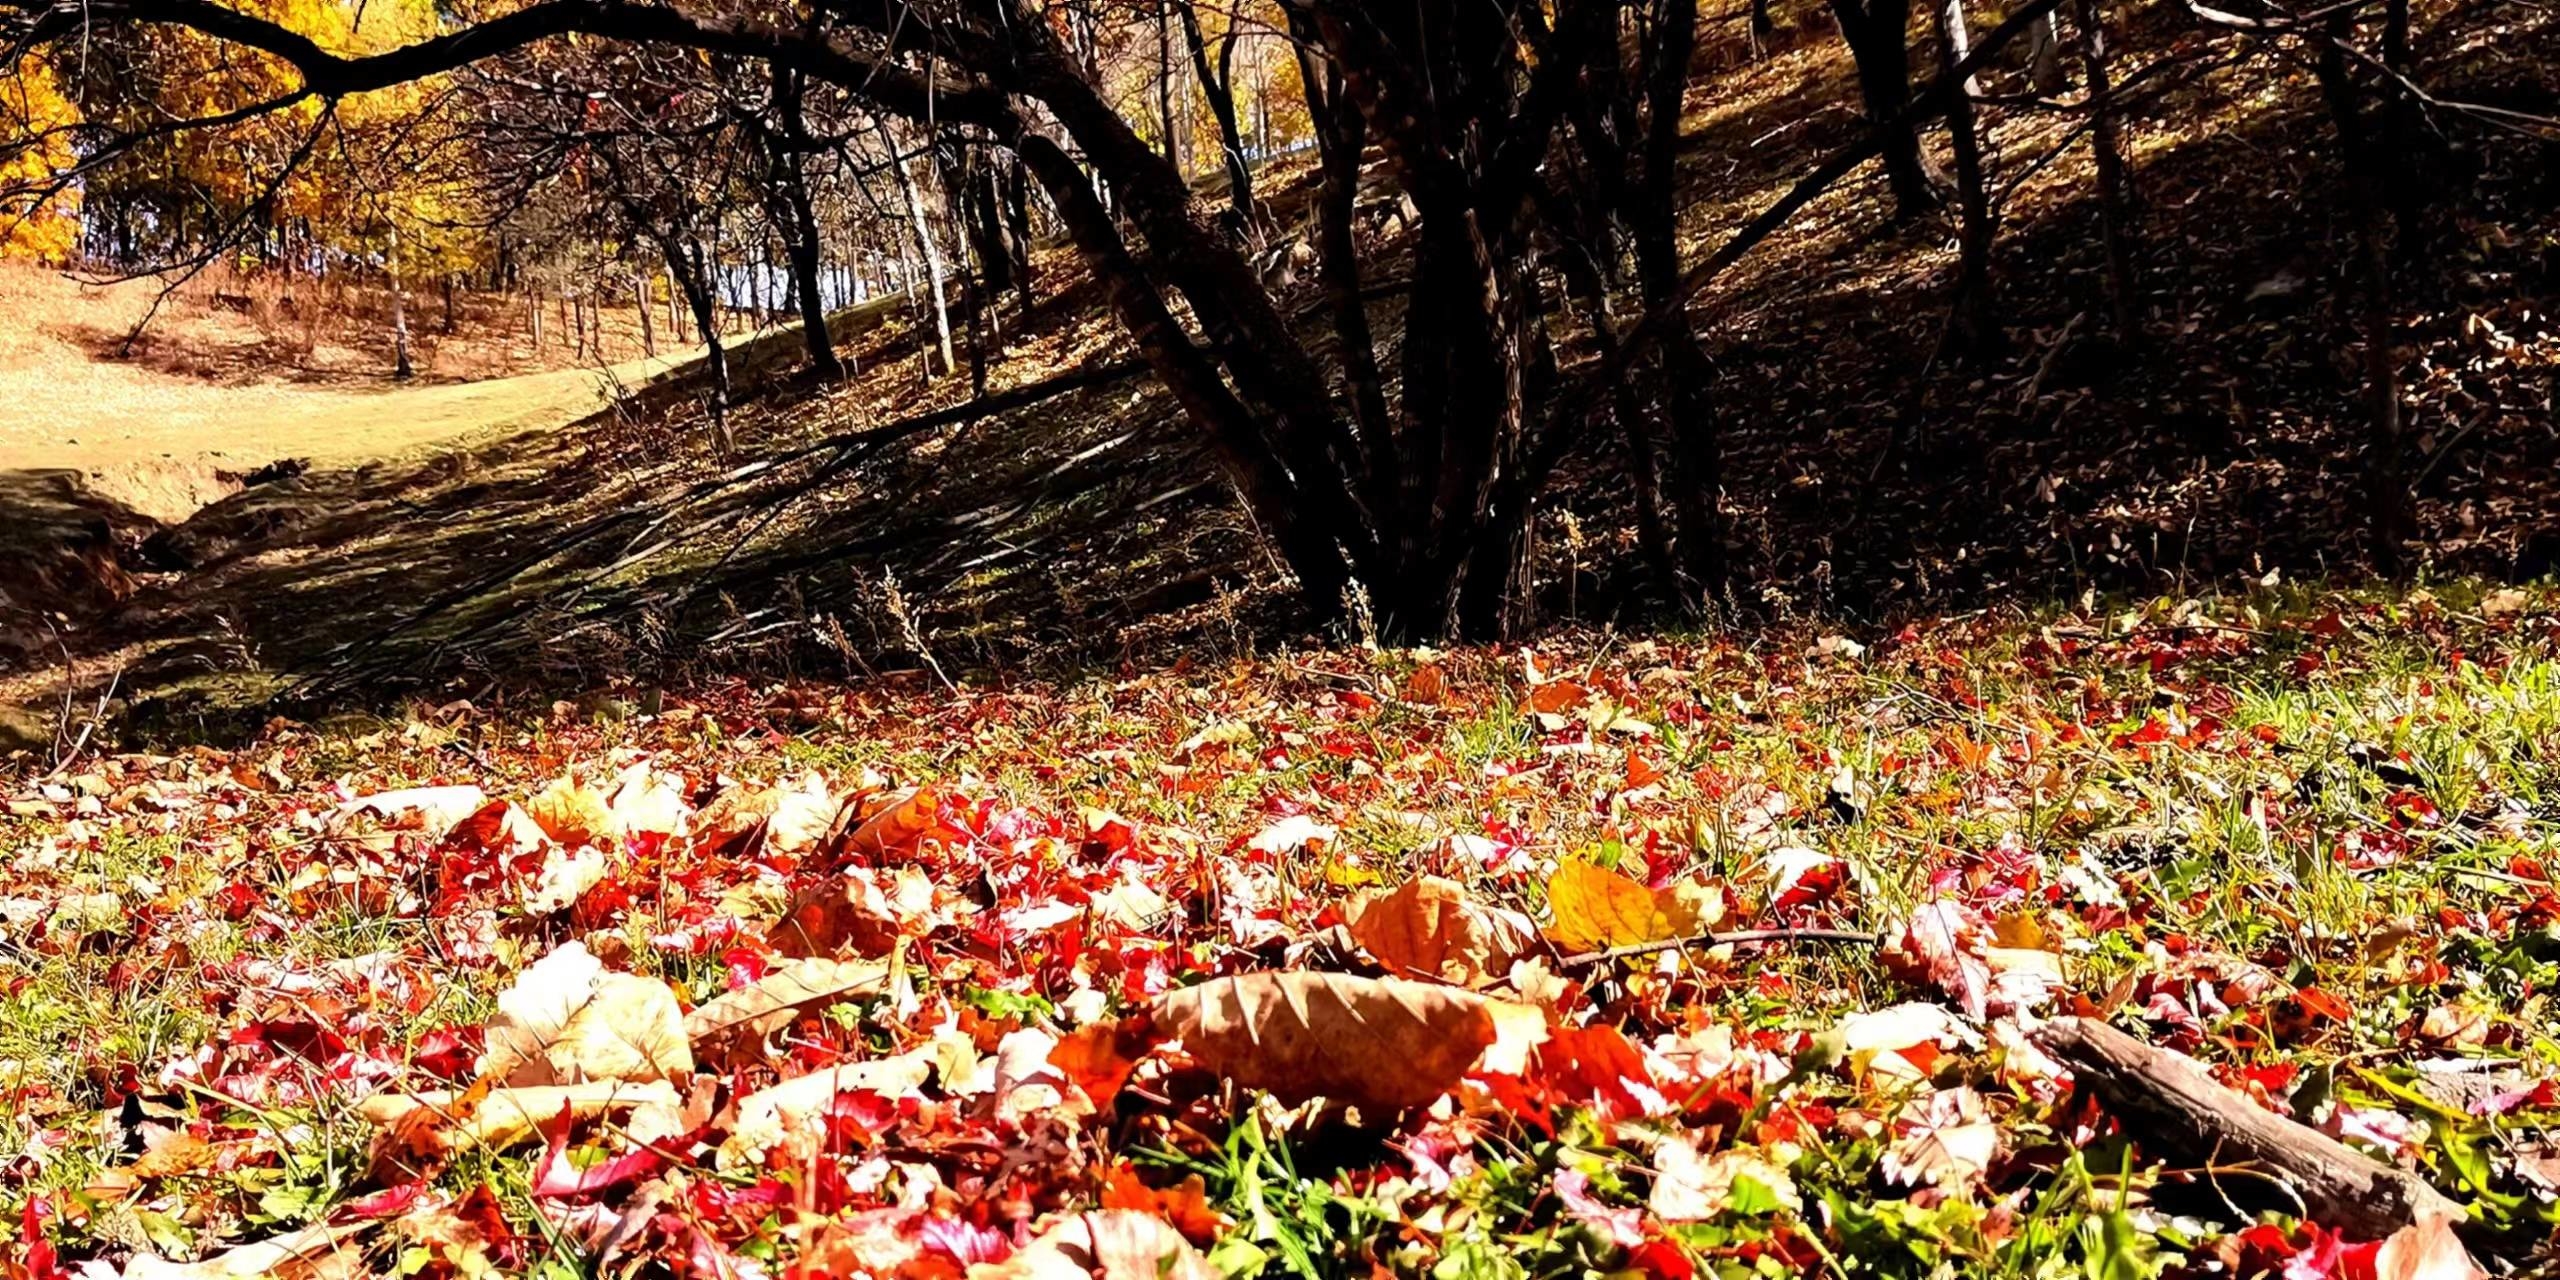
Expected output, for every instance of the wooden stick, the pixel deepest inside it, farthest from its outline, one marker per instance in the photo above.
(2166, 1098)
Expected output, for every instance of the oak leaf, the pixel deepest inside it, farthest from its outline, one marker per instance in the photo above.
(1378, 1042)
(1429, 927)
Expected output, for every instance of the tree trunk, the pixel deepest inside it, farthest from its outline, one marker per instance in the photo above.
(400, 367)
(1972, 328)
(1762, 28)
(2115, 211)
(922, 226)
(648, 329)
(2044, 55)
(1877, 32)
(1697, 438)
(800, 221)
(448, 303)
(690, 267)
(2387, 491)
(1164, 86)
(1218, 83)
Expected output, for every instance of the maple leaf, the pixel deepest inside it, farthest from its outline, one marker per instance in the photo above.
(1943, 1140)
(899, 825)
(1689, 1187)
(1594, 908)
(866, 911)
(572, 814)
(567, 1019)
(2425, 1250)
(1431, 928)
(1378, 1042)
(790, 1116)
(433, 810)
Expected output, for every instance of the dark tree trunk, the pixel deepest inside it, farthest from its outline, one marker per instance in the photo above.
(2115, 211)
(1218, 84)
(2387, 490)
(690, 267)
(801, 239)
(1878, 35)
(1972, 329)
(1697, 439)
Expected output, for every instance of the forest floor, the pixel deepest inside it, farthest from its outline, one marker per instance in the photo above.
(759, 980)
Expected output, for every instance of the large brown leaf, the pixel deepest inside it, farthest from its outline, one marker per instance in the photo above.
(1378, 1042)
(568, 1020)
(736, 1023)
(1430, 928)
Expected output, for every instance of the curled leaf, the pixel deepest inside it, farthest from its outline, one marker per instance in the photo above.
(1430, 927)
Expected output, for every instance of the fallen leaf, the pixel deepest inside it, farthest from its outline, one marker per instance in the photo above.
(1594, 908)
(1689, 1187)
(2425, 1250)
(287, 1257)
(790, 1116)
(1377, 1042)
(1429, 927)
(571, 813)
(500, 1118)
(735, 1025)
(1104, 1244)
(568, 1020)
(433, 810)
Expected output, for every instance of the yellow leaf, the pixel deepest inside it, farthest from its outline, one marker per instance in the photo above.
(568, 1020)
(570, 813)
(1594, 908)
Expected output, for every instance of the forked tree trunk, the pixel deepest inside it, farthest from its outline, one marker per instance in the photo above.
(1218, 83)
(690, 266)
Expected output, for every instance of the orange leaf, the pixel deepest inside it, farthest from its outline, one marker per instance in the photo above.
(1430, 928)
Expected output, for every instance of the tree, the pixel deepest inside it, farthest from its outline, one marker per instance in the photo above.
(1878, 36)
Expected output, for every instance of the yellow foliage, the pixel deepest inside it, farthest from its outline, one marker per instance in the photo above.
(35, 145)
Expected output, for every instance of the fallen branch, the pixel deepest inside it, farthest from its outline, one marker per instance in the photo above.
(1734, 938)
(2166, 1098)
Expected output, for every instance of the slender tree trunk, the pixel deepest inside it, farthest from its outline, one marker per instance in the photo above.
(1763, 27)
(1877, 32)
(1164, 85)
(2387, 490)
(400, 367)
(648, 329)
(801, 238)
(2044, 54)
(2115, 208)
(448, 303)
(1218, 83)
(922, 225)
(1973, 330)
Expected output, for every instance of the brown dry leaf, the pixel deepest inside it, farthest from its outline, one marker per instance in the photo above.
(1595, 908)
(1103, 1244)
(2454, 1026)
(1379, 1042)
(568, 1020)
(898, 825)
(572, 814)
(737, 1024)
(438, 1122)
(867, 913)
(1429, 927)
(732, 815)
(299, 1255)
(433, 810)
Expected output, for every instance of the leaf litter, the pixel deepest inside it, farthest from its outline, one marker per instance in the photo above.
(1656, 957)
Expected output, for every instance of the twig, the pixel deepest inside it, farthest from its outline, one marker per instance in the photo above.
(1734, 938)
